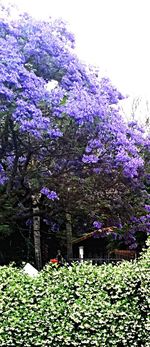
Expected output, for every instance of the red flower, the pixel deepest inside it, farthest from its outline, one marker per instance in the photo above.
(53, 261)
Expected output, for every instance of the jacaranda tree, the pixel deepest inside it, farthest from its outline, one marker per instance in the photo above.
(46, 91)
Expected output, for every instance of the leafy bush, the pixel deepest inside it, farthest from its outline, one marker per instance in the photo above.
(82, 305)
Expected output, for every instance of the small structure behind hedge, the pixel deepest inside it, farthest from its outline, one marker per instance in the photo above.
(95, 248)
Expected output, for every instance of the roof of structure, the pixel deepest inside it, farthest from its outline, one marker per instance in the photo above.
(88, 235)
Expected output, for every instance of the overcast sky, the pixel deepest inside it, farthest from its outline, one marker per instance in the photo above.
(113, 34)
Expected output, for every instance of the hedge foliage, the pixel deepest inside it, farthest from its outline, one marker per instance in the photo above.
(82, 305)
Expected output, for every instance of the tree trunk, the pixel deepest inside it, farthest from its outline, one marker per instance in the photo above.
(69, 236)
(44, 247)
(29, 243)
(36, 233)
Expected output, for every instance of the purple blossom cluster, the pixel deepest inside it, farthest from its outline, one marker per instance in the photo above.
(34, 52)
(139, 224)
(3, 178)
(147, 208)
(50, 194)
(97, 224)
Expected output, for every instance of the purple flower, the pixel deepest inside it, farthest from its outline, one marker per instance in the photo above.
(50, 194)
(147, 208)
(132, 123)
(3, 177)
(133, 219)
(114, 236)
(96, 170)
(29, 222)
(90, 159)
(133, 245)
(119, 225)
(97, 225)
(54, 227)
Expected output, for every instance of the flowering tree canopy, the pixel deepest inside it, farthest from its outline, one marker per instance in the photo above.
(34, 118)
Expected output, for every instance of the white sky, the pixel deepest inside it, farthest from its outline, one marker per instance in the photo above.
(112, 34)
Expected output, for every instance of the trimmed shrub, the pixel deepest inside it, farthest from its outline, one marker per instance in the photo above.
(80, 305)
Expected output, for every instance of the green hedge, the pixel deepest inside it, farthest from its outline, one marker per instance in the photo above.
(82, 305)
